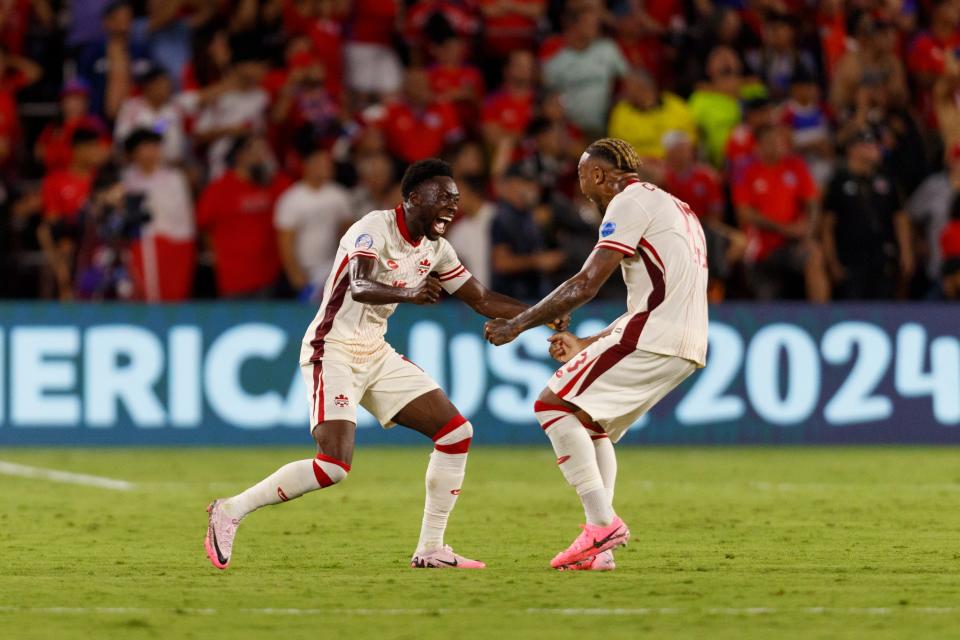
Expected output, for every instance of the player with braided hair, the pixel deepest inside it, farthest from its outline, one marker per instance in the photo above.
(610, 380)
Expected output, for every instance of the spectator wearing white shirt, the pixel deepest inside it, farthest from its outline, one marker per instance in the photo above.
(310, 217)
(240, 109)
(156, 109)
(470, 234)
(162, 261)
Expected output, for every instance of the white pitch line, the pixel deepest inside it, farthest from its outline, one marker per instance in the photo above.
(641, 611)
(68, 477)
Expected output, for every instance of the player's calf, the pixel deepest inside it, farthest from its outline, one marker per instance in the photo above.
(286, 483)
(444, 480)
(575, 457)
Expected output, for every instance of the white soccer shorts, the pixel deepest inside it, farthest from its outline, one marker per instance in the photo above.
(383, 385)
(617, 384)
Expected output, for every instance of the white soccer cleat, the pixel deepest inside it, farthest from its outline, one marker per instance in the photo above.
(221, 529)
(443, 558)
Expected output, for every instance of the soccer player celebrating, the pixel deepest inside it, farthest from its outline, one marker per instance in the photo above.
(386, 258)
(611, 379)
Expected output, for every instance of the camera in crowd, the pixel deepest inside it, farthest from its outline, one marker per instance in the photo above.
(117, 214)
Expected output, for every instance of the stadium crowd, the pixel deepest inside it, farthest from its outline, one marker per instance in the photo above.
(171, 149)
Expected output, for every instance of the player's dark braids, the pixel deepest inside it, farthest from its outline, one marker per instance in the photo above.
(617, 152)
(421, 171)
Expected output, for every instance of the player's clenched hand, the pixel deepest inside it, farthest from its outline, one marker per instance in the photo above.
(427, 292)
(564, 345)
(500, 331)
(560, 324)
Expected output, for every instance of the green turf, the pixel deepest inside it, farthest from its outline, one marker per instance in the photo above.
(868, 535)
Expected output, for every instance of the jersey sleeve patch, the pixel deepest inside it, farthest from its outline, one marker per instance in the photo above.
(364, 241)
(607, 229)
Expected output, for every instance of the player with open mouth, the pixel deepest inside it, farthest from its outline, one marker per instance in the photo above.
(388, 257)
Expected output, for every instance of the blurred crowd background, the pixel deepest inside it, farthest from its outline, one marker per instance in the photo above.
(166, 150)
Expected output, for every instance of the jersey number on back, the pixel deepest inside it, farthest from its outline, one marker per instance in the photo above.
(695, 237)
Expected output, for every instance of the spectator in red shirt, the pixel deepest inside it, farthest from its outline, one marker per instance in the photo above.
(63, 193)
(777, 203)
(698, 184)
(53, 145)
(235, 212)
(210, 62)
(417, 126)
(508, 25)
(319, 21)
(452, 80)
(15, 74)
(423, 15)
(373, 67)
(305, 103)
(928, 52)
(741, 146)
(507, 112)
(641, 37)
(948, 288)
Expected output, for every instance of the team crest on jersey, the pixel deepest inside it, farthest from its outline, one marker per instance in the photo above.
(392, 264)
(364, 241)
(341, 401)
(607, 229)
(424, 267)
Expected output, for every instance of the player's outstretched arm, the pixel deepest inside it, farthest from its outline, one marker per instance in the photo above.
(496, 305)
(570, 295)
(488, 303)
(363, 288)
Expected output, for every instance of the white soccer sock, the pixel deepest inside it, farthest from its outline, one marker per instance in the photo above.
(286, 483)
(448, 464)
(606, 461)
(577, 460)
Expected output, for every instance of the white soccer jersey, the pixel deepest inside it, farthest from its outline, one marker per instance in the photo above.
(665, 270)
(351, 330)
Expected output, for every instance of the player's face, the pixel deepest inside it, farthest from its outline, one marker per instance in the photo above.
(437, 200)
(586, 172)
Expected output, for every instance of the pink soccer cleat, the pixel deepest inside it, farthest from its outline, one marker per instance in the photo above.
(591, 541)
(443, 558)
(603, 561)
(221, 530)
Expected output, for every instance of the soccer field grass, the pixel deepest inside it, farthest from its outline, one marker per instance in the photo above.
(727, 543)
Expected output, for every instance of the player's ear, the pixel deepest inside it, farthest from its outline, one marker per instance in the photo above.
(599, 175)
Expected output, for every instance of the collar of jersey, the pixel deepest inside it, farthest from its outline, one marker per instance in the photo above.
(402, 226)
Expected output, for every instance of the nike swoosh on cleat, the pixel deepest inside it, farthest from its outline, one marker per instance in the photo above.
(216, 547)
(449, 564)
(613, 534)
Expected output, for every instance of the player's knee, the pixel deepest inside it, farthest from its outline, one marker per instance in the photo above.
(549, 397)
(454, 437)
(549, 413)
(329, 470)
